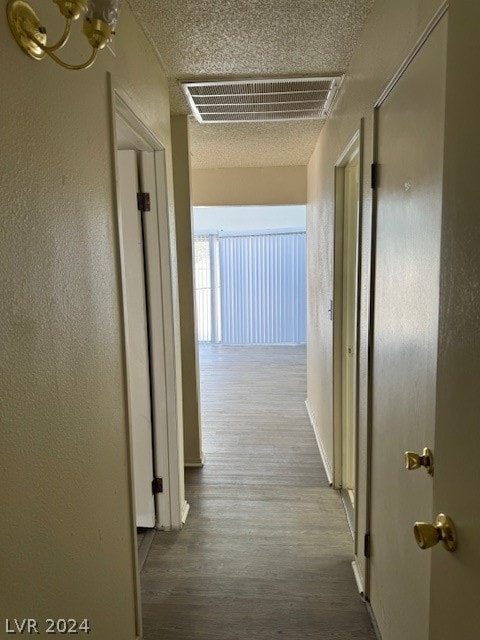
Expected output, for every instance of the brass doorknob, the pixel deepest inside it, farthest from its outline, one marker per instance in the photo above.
(428, 535)
(415, 461)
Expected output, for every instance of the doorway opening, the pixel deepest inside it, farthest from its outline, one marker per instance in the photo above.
(345, 323)
(250, 295)
(150, 332)
(137, 333)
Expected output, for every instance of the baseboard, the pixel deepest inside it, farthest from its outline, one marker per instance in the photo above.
(358, 578)
(321, 448)
(374, 620)
(195, 462)
(349, 511)
(185, 510)
(145, 548)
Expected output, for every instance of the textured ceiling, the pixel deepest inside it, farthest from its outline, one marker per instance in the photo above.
(216, 39)
(250, 144)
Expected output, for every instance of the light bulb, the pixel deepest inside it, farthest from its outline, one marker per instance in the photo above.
(105, 10)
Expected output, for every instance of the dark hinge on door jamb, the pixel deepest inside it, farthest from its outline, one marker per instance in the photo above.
(374, 175)
(366, 545)
(143, 202)
(157, 485)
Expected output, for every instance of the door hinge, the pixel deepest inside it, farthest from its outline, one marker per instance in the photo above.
(374, 175)
(366, 545)
(157, 485)
(143, 202)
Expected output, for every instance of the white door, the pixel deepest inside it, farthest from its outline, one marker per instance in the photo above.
(136, 335)
(405, 334)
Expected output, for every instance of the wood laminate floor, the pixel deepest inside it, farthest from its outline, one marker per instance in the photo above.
(266, 551)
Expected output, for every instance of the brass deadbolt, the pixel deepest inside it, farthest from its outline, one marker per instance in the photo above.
(428, 535)
(415, 461)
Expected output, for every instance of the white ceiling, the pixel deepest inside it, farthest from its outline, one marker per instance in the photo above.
(220, 39)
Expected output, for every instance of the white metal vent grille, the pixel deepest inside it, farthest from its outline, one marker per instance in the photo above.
(261, 100)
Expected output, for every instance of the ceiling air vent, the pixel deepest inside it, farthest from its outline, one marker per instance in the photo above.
(261, 100)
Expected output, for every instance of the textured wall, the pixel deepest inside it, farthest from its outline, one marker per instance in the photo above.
(249, 185)
(66, 527)
(388, 36)
(454, 609)
(183, 221)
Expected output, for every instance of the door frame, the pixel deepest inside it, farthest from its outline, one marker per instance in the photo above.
(353, 148)
(137, 323)
(171, 507)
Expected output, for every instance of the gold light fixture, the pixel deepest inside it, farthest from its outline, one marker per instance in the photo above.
(101, 18)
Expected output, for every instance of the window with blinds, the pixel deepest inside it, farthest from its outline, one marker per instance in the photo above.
(251, 287)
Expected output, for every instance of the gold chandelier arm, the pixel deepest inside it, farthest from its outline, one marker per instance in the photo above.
(31, 36)
(75, 67)
(63, 40)
(65, 65)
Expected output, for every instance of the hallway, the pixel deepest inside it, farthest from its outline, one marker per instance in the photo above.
(266, 552)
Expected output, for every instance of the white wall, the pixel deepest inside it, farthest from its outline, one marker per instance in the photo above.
(454, 611)
(66, 525)
(248, 218)
(249, 185)
(183, 223)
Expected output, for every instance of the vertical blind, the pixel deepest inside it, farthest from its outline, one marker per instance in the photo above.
(203, 280)
(260, 295)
